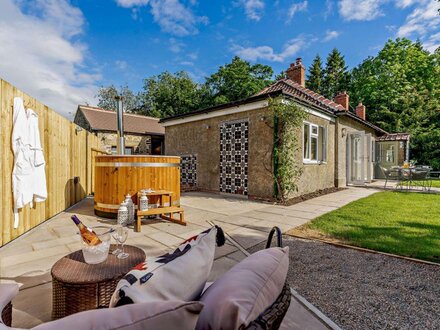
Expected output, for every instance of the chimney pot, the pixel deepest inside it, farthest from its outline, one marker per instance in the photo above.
(360, 111)
(343, 99)
(297, 72)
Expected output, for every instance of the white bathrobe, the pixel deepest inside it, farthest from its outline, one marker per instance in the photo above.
(28, 176)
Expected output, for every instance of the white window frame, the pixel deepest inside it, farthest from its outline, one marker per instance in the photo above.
(311, 136)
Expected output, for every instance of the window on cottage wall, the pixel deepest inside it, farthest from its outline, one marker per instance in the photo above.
(114, 150)
(314, 143)
(306, 141)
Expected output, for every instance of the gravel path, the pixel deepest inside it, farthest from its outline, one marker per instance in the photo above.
(359, 290)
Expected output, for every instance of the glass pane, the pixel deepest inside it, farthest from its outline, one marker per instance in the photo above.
(314, 129)
(314, 148)
(390, 154)
(321, 146)
(306, 141)
(128, 150)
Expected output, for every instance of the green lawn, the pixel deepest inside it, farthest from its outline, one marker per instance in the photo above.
(435, 183)
(402, 223)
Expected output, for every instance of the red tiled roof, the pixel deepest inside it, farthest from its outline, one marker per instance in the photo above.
(291, 88)
(105, 120)
(294, 89)
(394, 137)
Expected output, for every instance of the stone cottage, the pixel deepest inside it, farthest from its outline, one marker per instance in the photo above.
(228, 148)
(143, 135)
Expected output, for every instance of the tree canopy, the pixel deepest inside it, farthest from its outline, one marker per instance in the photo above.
(170, 94)
(237, 80)
(401, 89)
(106, 98)
(336, 76)
(315, 77)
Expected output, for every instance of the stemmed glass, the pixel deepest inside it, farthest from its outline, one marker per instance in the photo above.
(120, 235)
(115, 236)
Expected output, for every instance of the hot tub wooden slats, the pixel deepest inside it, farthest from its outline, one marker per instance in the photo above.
(118, 175)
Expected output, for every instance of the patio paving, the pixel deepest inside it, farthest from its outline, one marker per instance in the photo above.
(29, 258)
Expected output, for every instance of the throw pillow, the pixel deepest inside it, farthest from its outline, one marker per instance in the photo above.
(152, 315)
(179, 275)
(245, 291)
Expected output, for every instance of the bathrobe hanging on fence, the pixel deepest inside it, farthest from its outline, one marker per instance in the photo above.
(28, 176)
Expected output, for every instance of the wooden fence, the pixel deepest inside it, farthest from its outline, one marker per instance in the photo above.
(68, 153)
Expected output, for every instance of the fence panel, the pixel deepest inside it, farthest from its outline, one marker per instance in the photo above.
(68, 153)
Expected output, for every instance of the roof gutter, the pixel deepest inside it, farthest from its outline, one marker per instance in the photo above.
(245, 101)
(214, 108)
(353, 116)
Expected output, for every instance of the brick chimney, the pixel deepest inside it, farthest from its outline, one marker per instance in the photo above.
(297, 72)
(360, 110)
(342, 99)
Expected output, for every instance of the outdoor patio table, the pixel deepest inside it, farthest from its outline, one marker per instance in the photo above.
(78, 286)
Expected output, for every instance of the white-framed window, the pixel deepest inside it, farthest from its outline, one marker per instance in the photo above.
(314, 143)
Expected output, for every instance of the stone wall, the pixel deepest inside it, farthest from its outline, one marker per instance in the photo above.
(203, 139)
(81, 121)
(317, 176)
(141, 144)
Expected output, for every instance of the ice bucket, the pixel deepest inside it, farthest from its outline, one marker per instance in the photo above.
(98, 253)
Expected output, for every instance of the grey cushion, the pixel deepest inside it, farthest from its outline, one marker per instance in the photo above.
(151, 315)
(245, 291)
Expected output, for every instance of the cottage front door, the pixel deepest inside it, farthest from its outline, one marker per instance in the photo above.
(234, 144)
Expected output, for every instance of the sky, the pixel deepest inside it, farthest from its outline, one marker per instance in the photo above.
(62, 51)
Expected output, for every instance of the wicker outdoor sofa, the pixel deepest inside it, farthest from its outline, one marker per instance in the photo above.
(270, 318)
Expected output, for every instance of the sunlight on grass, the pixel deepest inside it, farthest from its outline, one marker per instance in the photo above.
(434, 183)
(397, 222)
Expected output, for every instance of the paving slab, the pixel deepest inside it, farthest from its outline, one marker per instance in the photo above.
(266, 226)
(171, 228)
(248, 237)
(55, 242)
(299, 318)
(166, 239)
(237, 220)
(224, 250)
(221, 266)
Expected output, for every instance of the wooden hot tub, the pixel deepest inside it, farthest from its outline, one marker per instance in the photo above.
(117, 176)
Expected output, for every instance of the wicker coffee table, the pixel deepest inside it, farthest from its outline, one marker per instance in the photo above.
(78, 286)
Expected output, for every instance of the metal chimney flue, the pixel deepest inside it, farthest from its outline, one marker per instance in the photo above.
(120, 116)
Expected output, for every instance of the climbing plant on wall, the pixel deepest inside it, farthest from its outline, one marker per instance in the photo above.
(287, 167)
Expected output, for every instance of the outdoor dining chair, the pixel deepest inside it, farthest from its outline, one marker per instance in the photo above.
(390, 174)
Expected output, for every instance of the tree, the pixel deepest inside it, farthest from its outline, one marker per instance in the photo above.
(106, 98)
(237, 80)
(281, 75)
(315, 77)
(170, 94)
(401, 89)
(336, 76)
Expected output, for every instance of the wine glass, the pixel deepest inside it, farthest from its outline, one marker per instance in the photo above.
(115, 236)
(121, 237)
